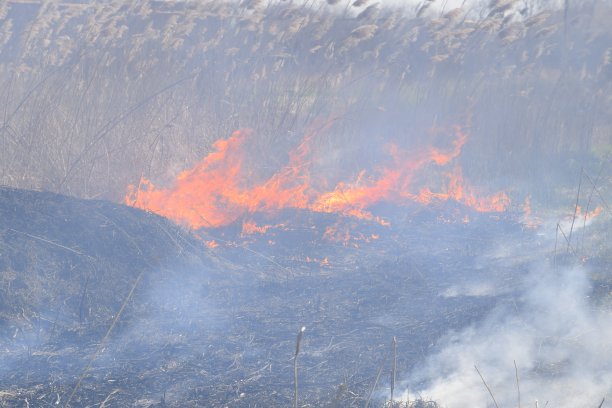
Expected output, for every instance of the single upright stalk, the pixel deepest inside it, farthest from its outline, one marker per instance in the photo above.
(393, 368)
(518, 386)
(295, 367)
(569, 240)
(367, 403)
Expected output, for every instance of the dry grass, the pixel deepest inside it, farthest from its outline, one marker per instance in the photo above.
(87, 105)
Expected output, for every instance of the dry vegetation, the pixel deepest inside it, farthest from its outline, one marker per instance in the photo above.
(94, 95)
(199, 330)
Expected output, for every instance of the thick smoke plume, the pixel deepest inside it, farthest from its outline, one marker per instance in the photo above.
(558, 339)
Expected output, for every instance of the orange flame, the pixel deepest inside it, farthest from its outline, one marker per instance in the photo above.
(208, 195)
(250, 228)
(590, 214)
(528, 220)
(215, 192)
(395, 182)
(336, 234)
(212, 244)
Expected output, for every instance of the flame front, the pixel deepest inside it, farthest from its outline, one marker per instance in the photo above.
(208, 195)
(216, 192)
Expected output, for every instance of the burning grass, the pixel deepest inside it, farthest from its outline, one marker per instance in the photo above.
(396, 182)
(98, 96)
(203, 330)
(218, 191)
(179, 336)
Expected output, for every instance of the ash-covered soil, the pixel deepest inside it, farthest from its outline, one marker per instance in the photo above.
(105, 305)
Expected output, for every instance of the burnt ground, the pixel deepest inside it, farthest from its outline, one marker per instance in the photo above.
(217, 327)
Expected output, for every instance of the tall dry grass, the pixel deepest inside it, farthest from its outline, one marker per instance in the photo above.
(92, 96)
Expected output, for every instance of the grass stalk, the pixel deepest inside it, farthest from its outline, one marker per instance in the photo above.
(104, 340)
(367, 403)
(393, 368)
(588, 206)
(569, 239)
(601, 197)
(295, 366)
(518, 386)
(487, 387)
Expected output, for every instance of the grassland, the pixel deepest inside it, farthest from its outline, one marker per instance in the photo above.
(94, 95)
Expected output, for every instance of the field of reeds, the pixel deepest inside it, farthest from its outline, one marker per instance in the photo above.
(95, 95)
(105, 304)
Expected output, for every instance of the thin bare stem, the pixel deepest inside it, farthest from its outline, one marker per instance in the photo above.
(555, 250)
(109, 397)
(569, 239)
(367, 403)
(103, 341)
(518, 386)
(601, 197)
(487, 387)
(50, 242)
(588, 206)
(393, 368)
(295, 367)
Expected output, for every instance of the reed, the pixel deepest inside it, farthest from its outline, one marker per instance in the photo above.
(76, 69)
(298, 342)
(393, 367)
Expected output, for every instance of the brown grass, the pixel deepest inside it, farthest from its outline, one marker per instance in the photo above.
(83, 111)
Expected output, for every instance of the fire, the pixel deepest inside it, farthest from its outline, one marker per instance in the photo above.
(250, 228)
(217, 192)
(441, 158)
(310, 259)
(394, 185)
(337, 233)
(589, 214)
(209, 195)
(212, 244)
(528, 220)
(460, 191)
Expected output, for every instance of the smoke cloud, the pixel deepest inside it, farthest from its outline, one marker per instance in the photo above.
(557, 337)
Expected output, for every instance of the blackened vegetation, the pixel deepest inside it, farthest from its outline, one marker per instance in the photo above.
(66, 266)
(69, 257)
(201, 330)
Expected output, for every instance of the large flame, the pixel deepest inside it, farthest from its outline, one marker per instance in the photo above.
(217, 192)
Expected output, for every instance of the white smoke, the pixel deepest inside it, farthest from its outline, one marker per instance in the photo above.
(561, 342)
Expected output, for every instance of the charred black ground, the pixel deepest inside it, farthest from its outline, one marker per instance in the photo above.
(200, 330)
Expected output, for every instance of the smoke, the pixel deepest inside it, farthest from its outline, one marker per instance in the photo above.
(559, 340)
